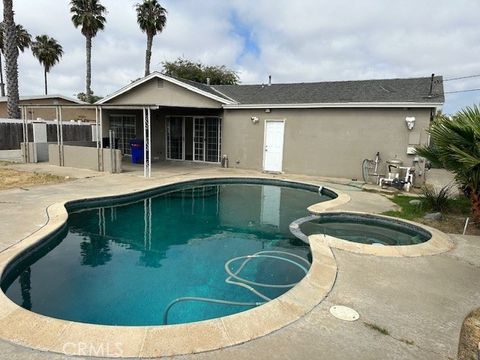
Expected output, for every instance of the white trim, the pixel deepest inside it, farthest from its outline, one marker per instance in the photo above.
(265, 143)
(334, 105)
(45, 97)
(166, 78)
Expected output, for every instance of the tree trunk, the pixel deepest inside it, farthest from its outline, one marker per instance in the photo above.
(148, 54)
(45, 75)
(2, 84)
(11, 56)
(475, 198)
(88, 78)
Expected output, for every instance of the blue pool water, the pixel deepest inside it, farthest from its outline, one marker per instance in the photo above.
(122, 262)
(366, 229)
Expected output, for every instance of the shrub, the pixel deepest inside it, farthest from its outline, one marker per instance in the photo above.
(436, 199)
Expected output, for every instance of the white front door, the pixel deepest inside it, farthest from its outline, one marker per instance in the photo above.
(273, 147)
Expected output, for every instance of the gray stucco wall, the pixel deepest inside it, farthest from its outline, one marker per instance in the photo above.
(84, 157)
(325, 142)
(164, 93)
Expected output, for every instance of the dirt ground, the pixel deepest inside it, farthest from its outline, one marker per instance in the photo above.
(469, 347)
(452, 224)
(10, 179)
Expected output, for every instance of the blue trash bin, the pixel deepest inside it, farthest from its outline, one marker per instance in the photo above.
(136, 145)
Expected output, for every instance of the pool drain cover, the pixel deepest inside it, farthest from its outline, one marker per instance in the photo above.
(344, 313)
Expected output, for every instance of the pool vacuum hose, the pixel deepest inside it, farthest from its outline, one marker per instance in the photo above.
(235, 279)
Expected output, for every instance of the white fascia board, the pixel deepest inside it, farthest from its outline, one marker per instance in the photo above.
(334, 105)
(166, 78)
(45, 97)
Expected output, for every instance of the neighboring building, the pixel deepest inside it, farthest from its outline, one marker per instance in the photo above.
(322, 128)
(36, 111)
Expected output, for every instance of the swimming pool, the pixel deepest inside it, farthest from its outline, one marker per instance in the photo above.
(127, 261)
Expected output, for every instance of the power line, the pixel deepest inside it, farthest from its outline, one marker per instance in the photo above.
(461, 91)
(462, 77)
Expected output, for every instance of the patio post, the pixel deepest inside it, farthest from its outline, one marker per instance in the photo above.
(101, 138)
(97, 135)
(147, 166)
(25, 134)
(144, 141)
(60, 118)
(57, 118)
(149, 153)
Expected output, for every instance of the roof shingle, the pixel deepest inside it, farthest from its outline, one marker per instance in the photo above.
(415, 90)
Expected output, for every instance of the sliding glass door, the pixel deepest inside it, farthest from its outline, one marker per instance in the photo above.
(199, 139)
(175, 138)
(203, 142)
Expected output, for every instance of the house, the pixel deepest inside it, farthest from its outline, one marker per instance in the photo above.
(43, 106)
(318, 128)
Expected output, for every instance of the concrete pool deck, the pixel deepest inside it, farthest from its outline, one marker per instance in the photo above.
(420, 300)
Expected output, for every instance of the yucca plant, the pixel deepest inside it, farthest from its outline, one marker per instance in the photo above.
(456, 147)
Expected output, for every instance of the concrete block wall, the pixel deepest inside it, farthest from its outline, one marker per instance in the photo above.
(86, 158)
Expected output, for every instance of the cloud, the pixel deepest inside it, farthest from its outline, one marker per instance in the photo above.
(305, 40)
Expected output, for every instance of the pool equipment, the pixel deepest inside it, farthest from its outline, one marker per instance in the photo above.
(234, 278)
(370, 169)
(395, 181)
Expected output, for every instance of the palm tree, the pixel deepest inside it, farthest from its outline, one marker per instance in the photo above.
(151, 17)
(24, 40)
(48, 52)
(456, 146)
(89, 15)
(11, 56)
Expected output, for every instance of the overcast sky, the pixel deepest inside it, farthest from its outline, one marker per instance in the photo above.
(294, 41)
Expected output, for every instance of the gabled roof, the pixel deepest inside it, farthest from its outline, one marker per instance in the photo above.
(187, 84)
(385, 91)
(44, 97)
(411, 92)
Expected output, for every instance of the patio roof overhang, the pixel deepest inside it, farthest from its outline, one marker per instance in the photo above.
(146, 109)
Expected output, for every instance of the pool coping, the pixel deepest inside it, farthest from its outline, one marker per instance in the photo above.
(437, 244)
(44, 333)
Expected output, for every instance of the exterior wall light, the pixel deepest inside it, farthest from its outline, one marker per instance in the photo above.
(410, 120)
(254, 119)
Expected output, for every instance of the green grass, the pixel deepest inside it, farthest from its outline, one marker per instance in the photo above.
(377, 328)
(407, 211)
(408, 342)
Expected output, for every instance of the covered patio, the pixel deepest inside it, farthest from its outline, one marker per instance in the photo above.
(168, 134)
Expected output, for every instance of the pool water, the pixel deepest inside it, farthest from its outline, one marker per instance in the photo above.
(123, 263)
(366, 229)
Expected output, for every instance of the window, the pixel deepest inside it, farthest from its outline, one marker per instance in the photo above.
(125, 128)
